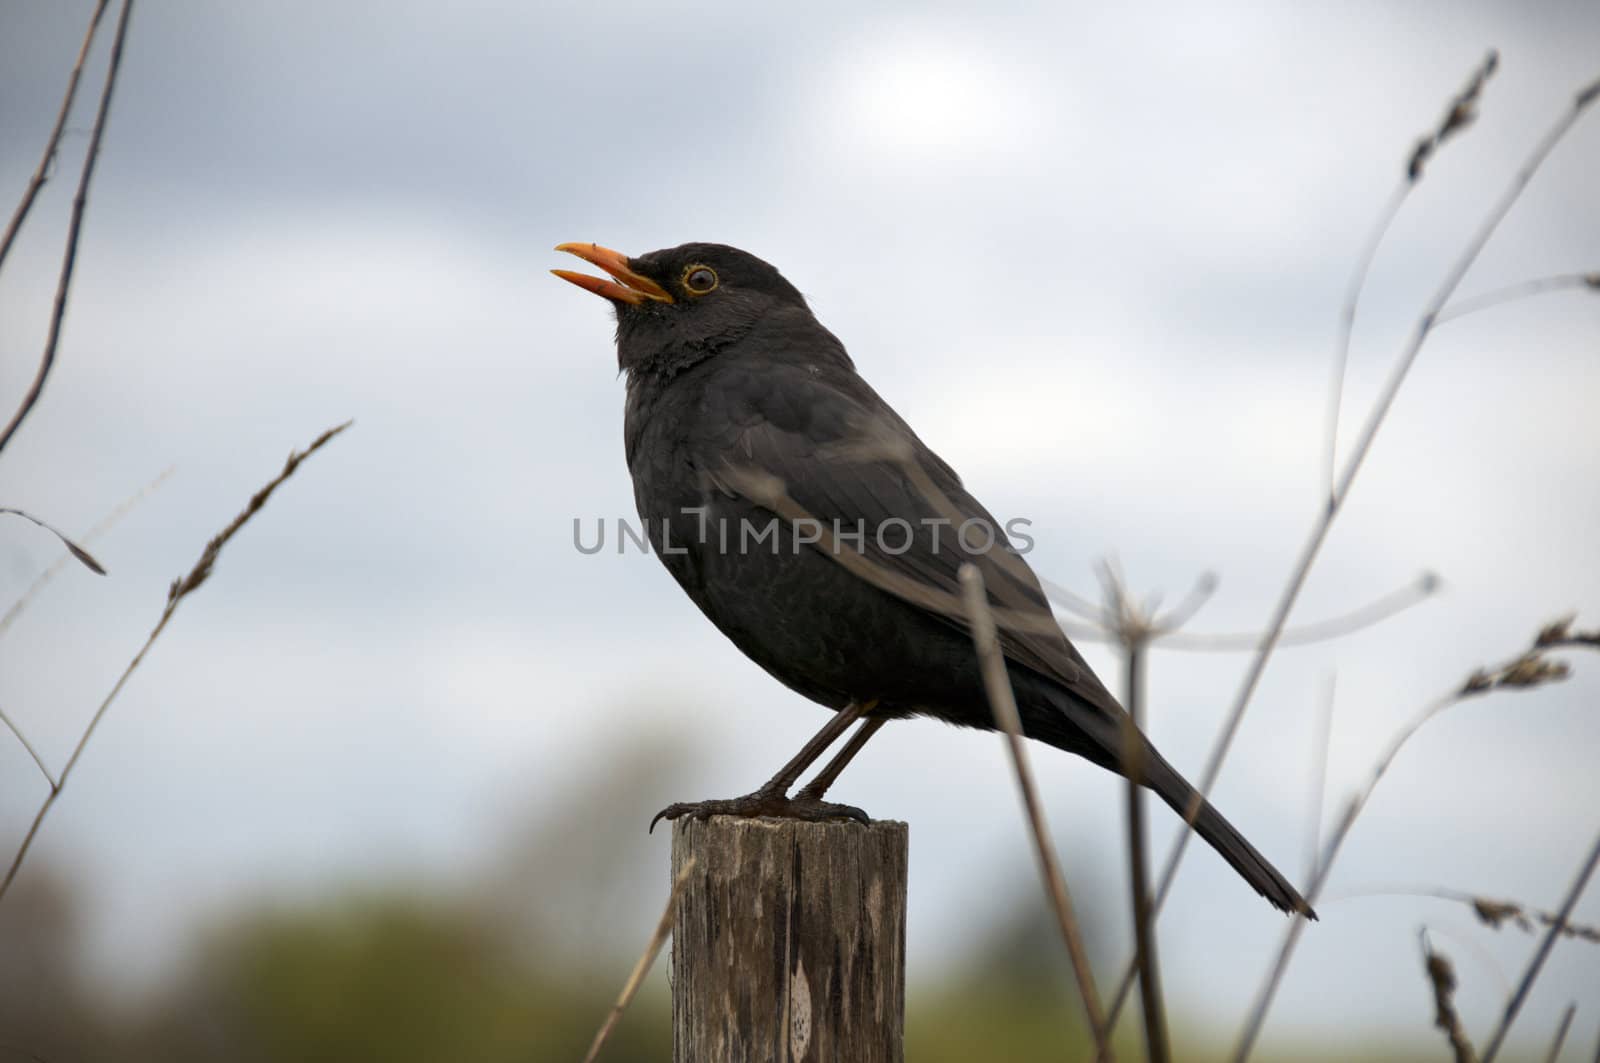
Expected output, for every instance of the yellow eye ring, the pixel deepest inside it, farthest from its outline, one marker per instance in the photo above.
(699, 279)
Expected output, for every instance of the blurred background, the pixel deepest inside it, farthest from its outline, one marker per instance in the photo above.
(380, 790)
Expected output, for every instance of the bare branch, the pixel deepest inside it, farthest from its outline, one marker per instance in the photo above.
(53, 142)
(647, 960)
(1536, 963)
(1002, 702)
(180, 589)
(79, 201)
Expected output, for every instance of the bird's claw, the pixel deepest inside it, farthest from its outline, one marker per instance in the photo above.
(763, 803)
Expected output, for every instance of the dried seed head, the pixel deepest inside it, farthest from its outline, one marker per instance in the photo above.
(1494, 913)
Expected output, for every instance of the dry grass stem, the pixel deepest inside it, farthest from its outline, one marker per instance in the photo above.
(1353, 809)
(647, 960)
(72, 548)
(1559, 634)
(74, 229)
(1002, 702)
(1442, 977)
(1461, 110)
(1495, 914)
(1513, 292)
(73, 552)
(1536, 963)
(1347, 325)
(1359, 619)
(1368, 615)
(1319, 775)
(1135, 624)
(53, 142)
(27, 745)
(105, 524)
(1460, 114)
(179, 589)
(1561, 1033)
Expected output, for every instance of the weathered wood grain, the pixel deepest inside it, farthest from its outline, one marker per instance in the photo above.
(788, 942)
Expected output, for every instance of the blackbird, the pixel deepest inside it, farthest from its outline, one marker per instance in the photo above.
(814, 529)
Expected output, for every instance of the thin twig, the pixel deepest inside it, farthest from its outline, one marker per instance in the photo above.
(72, 548)
(1513, 292)
(1134, 627)
(1495, 913)
(105, 524)
(53, 142)
(70, 257)
(647, 959)
(1002, 702)
(1150, 996)
(179, 589)
(1185, 611)
(74, 552)
(1442, 977)
(1353, 465)
(1319, 775)
(1347, 324)
(1523, 672)
(1086, 609)
(34, 753)
(1561, 1033)
(1166, 633)
(1536, 964)
(1374, 612)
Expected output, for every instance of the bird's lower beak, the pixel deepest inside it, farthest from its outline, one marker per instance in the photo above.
(635, 288)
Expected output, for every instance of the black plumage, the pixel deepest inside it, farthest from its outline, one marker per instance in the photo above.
(743, 408)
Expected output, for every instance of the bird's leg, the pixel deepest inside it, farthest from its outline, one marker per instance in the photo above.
(813, 790)
(772, 798)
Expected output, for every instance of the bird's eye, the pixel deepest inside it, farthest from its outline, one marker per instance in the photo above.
(699, 279)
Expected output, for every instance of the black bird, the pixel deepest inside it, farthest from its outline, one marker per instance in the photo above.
(813, 528)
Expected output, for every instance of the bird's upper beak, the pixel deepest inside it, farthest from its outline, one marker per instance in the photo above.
(635, 288)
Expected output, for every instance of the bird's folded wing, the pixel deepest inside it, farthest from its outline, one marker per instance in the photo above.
(889, 510)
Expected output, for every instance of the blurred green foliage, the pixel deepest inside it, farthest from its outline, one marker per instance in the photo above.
(402, 978)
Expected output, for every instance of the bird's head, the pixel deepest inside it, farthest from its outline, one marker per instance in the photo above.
(681, 305)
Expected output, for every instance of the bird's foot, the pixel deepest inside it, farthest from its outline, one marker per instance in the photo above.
(763, 803)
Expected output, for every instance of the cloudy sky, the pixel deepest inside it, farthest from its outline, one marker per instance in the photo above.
(1094, 254)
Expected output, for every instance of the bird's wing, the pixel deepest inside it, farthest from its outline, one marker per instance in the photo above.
(828, 448)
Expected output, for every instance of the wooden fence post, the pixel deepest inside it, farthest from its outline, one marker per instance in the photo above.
(788, 942)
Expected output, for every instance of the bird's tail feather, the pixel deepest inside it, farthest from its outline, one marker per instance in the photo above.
(1210, 824)
(1096, 733)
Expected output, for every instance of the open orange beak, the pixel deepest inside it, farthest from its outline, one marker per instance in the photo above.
(635, 288)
